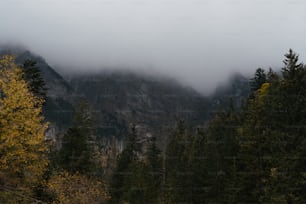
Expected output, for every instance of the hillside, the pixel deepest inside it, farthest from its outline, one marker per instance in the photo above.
(153, 104)
(122, 98)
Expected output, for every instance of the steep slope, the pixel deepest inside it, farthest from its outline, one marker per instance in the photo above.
(58, 109)
(153, 104)
(56, 85)
(236, 89)
(122, 98)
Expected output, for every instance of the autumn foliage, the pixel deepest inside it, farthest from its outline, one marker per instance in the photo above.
(77, 188)
(23, 158)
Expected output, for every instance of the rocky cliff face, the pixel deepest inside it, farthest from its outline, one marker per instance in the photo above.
(154, 105)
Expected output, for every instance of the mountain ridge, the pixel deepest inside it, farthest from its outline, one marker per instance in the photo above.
(120, 98)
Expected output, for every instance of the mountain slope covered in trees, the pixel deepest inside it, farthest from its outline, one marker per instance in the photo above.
(177, 148)
(153, 104)
(255, 155)
(118, 99)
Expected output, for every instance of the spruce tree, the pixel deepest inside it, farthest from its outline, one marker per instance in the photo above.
(273, 139)
(258, 79)
(154, 171)
(292, 68)
(32, 75)
(79, 145)
(121, 182)
(177, 173)
(221, 148)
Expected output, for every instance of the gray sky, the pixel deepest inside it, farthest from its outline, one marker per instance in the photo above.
(197, 41)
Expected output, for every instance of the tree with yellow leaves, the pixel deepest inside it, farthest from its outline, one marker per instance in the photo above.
(23, 158)
(74, 188)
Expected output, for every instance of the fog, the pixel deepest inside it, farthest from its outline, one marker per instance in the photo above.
(199, 42)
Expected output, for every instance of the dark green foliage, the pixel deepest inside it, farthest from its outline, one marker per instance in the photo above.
(258, 79)
(79, 146)
(273, 139)
(135, 179)
(75, 154)
(254, 156)
(154, 172)
(33, 76)
(292, 68)
(219, 145)
(177, 186)
(59, 110)
(120, 183)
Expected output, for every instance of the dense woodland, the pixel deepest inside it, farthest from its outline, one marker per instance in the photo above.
(254, 154)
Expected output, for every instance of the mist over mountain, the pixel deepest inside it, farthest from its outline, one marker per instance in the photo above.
(155, 105)
(121, 98)
(199, 43)
(152, 101)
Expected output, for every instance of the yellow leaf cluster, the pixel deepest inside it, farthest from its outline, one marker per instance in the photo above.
(23, 151)
(263, 90)
(77, 188)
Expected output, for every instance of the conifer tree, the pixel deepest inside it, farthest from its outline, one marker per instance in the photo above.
(292, 67)
(33, 76)
(79, 149)
(154, 172)
(272, 139)
(121, 179)
(221, 148)
(177, 174)
(258, 79)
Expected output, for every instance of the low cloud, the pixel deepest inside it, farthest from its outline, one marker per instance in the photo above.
(199, 42)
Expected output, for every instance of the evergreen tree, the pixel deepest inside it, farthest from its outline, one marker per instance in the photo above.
(136, 184)
(154, 172)
(79, 149)
(199, 167)
(252, 165)
(292, 67)
(121, 182)
(221, 148)
(140, 176)
(33, 76)
(273, 139)
(177, 186)
(258, 79)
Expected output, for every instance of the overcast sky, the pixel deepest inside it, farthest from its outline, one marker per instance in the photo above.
(197, 41)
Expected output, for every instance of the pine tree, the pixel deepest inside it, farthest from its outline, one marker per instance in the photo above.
(258, 79)
(126, 162)
(199, 167)
(273, 139)
(33, 76)
(177, 173)
(154, 172)
(292, 67)
(79, 149)
(221, 148)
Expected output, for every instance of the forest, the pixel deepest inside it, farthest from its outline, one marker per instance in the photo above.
(252, 154)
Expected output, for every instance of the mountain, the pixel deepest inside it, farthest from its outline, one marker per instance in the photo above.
(58, 109)
(122, 98)
(153, 104)
(236, 89)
